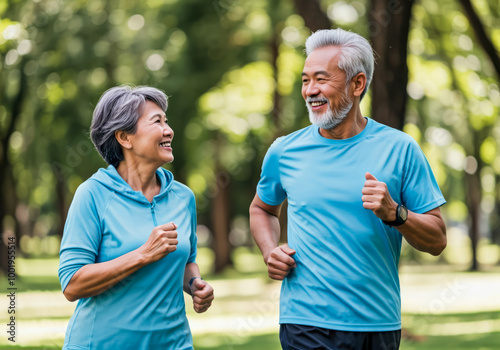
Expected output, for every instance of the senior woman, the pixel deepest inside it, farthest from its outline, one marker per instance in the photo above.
(129, 244)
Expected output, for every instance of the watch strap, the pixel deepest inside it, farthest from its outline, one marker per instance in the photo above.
(399, 220)
(192, 280)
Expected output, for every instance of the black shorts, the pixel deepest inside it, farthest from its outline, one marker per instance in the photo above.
(299, 337)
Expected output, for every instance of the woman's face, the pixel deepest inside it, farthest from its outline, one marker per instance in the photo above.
(152, 141)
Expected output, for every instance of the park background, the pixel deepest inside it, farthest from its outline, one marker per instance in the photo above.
(231, 69)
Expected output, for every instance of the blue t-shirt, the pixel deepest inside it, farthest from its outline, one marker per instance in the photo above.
(108, 219)
(347, 259)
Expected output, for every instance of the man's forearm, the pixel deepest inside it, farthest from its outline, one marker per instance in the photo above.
(265, 229)
(425, 232)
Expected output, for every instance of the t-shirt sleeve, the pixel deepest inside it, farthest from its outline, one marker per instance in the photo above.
(193, 238)
(270, 189)
(420, 191)
(82, 235)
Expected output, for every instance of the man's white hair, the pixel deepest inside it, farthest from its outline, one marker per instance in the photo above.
(356, 53)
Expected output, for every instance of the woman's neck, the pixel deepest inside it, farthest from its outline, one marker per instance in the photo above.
(140, 177)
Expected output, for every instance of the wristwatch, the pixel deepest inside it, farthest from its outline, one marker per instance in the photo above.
(401, 216)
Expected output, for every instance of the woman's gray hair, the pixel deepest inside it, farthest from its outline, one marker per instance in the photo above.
(356, 53)
(118, 109)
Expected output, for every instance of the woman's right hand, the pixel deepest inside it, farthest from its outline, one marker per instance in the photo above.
(161, 242)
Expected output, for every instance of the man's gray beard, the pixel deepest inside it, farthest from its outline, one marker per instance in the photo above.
(330, 119)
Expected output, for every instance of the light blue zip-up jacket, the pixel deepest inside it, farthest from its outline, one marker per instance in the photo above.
(108, 219)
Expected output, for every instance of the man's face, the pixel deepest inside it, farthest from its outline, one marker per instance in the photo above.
(324, 88)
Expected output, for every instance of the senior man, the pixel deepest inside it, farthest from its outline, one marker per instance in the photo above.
(355, 188)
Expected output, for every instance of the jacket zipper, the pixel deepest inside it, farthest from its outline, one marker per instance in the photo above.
(153, 213)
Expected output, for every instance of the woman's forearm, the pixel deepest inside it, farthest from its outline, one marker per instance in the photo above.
(192, 270)
(93, 279)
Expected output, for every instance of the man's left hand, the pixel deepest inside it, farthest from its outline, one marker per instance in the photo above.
(202, 294)
(377, 198)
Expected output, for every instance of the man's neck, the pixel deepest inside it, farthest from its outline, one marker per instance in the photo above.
(352, 125)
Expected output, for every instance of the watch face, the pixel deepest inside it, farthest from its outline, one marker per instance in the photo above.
(403, 213)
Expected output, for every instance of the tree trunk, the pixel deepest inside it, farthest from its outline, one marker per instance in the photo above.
(389, 24)
(61, 200)
(277, 105)
(8, 202)
(472, 182)
(473, 200)
(314, 17)
(4, 234)
(481, 35)
(276, 112)
(495, 217)
(220, 215)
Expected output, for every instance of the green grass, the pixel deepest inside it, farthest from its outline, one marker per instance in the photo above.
(37, 283)
(227, 342)
(36, 275)
(452, 318)
(489, 341)
(41, 347)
